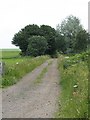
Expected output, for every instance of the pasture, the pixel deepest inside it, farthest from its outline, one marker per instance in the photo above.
(10, 53)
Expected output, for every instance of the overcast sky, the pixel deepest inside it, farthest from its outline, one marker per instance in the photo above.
(16, 14)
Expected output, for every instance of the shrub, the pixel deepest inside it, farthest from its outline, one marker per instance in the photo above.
(37, 46)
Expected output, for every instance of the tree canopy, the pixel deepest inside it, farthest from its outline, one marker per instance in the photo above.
(69, 37)
(49, 33)
(69, 28)
(81, 41)
(22, 38)
(37, 46)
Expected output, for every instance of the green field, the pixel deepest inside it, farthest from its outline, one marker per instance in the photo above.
(10, 53)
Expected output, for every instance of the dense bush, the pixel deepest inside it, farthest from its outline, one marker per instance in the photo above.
(37, 46)
(70, 60)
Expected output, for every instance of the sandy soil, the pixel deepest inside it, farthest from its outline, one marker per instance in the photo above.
(26, 100)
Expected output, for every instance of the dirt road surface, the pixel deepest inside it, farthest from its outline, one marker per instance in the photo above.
(27, 100)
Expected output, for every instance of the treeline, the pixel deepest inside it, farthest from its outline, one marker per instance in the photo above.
(68, 37)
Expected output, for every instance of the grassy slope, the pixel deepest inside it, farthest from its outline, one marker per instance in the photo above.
(73, 102)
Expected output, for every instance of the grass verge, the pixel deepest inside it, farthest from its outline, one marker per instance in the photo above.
(73, 100)
(89, 85)
(16, 68)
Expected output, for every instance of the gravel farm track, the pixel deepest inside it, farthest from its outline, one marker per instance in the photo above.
(29, 100)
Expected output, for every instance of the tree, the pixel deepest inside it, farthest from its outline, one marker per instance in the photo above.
(88, 42)
(81, 41)
(37, 46)
(69, 29)
(60, 43)
(49, 33)
(21, 38)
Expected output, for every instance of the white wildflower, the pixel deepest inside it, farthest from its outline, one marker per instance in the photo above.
(75, 86)
(78, 111)
(66, 57)
(17, 63)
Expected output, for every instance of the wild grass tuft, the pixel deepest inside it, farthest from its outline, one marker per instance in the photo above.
(39, 78)
(41, 75)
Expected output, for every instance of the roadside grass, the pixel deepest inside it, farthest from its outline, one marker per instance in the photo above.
(16, 68)
(41, 75)
(73, 100)
(39, 78)
(89, 85)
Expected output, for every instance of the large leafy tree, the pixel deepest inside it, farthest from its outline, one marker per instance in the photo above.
(49, 33)
(21, 38)
(88, 42)
(69, 28)
(37, 46)
(81, 41)
(60, 43)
